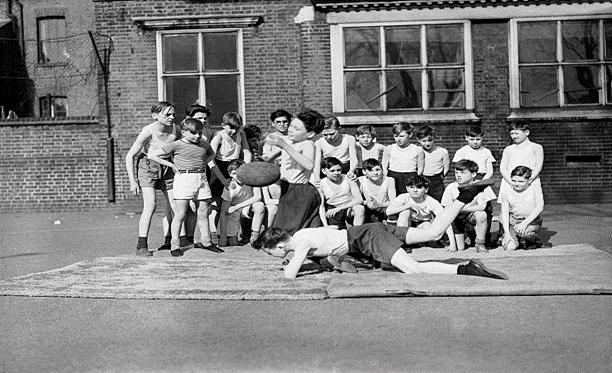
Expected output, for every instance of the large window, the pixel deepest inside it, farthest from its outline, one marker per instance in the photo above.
(204, 67)
(51, 40)
(562, 63)
(403, 67)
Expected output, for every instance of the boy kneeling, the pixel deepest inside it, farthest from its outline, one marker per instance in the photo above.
(521, 207)
(382, 242)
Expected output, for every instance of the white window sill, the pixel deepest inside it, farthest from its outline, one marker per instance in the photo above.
(569, 114)
(419, 117)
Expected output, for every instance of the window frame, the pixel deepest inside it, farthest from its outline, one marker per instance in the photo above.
(161, 88)
(51, 99)
(39, 42)
(514, 65)
(338, 69)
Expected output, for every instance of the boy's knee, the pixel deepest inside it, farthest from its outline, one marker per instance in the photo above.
(480, 217)
(359, 210)
(259, 207)
(405, 214)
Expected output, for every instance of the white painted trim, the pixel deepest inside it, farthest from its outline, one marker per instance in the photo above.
(468, 71)
(514, 83)
(305, 14)
(160, 70)
(417, 117)
(240, 57)
(337, 63)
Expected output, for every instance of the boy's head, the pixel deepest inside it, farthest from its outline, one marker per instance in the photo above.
(331, 129)
(305, 125)
(366, 135)
(163, 112)
(198, 112)
(231, 122)
(519, 131)
(465, 171)
(417, 187)
(372, 169)
(402, 132)
(520, 178)
(425, 135)
(232, 168)
(280, 120)
(474, 136)
(191, 130)
(272, 241)
(253, 135)
(332, 168)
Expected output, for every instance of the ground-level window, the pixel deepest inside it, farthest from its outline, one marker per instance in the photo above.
(398, 67)
(53, 106)
(561, 62)
(51, 40)
(201, 67)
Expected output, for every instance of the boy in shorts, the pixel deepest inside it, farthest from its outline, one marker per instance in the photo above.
(340, 195)
(382, 242)
(377, 189)
(190, 155)
(520, 211)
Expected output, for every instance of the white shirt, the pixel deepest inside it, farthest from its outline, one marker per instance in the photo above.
(452, 192)
(336, 194)
(380, 193)
(481, 156)
(404, 159)
(521, 204)
(423, 211)
(328, 241)
(434, 161)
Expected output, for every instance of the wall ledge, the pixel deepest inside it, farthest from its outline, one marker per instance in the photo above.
(62, 121)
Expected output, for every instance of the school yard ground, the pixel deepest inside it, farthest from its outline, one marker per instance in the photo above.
(451, 334)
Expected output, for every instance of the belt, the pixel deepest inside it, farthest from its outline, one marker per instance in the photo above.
(199, 171)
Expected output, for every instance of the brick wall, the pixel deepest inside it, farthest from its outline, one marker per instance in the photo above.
(52, 165)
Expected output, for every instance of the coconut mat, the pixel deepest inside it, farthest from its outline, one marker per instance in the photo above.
(566, 269)
(240, 273)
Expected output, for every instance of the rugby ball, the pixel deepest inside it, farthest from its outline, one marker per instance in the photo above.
(258, 174)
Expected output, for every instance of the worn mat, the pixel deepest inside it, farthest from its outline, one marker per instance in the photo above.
(240, 273)
(566, 269)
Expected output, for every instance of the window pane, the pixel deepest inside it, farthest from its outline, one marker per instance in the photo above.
(362, 89)
(220, 51)
(580, 40)
(445, 44)
(404, 89)
(52, 40)
(446, 88)
(180, 52)
(221, 96)
(537, 41)
(580, 84)
(182, 92)
(609, 83)
(361, 47)
(403, 45)
(539, 86)
(608, 37)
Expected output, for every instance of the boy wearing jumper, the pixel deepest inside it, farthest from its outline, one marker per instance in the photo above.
(335, 144)
(522, 153)
(476, 152)
(403, 160)
(437, 162)
(341, 197)
(298, 206)
(472, 213)
(239, 201)
(190, 155)
(367, 147)
(377, 189)
(382, 242)
(520, 211)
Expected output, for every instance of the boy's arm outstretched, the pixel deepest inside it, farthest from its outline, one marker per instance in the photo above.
(352, 157)
(256, 198)
(156, 157)
(299, 256)
(420, 161)
(305, 158)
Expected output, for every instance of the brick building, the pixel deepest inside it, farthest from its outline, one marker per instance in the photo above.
(445, 63)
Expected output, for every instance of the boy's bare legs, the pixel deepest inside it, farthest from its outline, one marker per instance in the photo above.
(272, 209)
(144, 224)
(403, 219)
(259, 210)
(358, 215)
(481, 228)
(406, 264)
(181, 207)
(438, 226)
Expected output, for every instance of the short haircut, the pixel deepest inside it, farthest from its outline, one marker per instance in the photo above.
(190, 124)
(521, 171)
(196, 108)
(466, 164)
(424, 132)
(520, 125)
(474, 131)
(399, 127)
(232, 119)
(160, 107)
(332, 122)
(418, 181)
(329, 162)
(313, 121)
(280, 113)
(270, 238)
(366, 129)
(234, 165)
(370, 163)
(252, 131)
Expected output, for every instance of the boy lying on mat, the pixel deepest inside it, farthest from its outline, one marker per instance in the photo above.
(382, 242)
